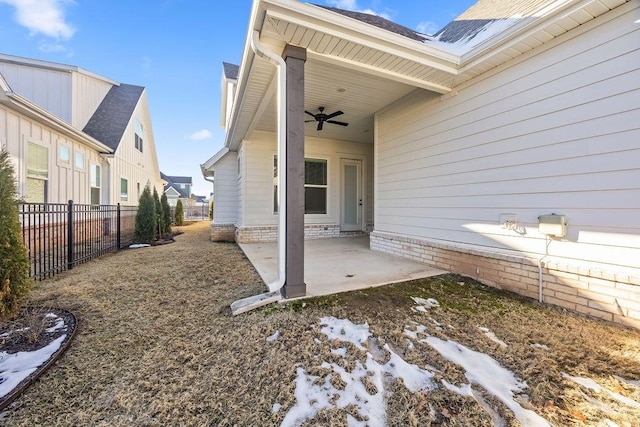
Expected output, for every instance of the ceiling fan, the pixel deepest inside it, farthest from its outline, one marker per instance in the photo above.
(321, 118)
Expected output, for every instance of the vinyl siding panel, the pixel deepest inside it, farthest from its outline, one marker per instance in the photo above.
(258, 177)
(225, 191)
(556, 131)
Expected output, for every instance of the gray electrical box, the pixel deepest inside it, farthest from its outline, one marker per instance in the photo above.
(552, 225)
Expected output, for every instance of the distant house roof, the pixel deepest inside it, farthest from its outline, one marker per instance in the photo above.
(230, 70)
(174, 181)
(379, 22)
(110, 120)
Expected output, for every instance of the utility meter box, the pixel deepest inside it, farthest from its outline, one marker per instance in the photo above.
(552, 225)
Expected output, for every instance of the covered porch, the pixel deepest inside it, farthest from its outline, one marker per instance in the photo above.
(339, 265)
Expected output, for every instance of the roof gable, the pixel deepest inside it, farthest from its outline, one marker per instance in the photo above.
(113, 115)
(230, 70)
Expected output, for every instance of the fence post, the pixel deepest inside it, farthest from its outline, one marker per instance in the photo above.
(118, 227)
(70, 235)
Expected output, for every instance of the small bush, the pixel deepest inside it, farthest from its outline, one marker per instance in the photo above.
(14, 260)
(179, 213)
(211, 210)
(166, 213)
(146, 222)
(159, 214)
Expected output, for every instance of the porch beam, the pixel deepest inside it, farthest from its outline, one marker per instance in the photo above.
(294, 58)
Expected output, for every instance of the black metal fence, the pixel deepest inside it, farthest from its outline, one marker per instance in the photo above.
(59, 236)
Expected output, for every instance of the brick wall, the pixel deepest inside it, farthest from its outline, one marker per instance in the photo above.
(223, 232)
(269, 233)
(593, 290)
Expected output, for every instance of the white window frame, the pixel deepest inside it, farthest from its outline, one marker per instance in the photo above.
(124, 197)
(325, 186)
(61, 160)
(139, 135)
(37, 176)
(79, 160)
(94, 182)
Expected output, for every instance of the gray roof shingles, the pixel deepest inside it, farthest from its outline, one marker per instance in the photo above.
(112, 116)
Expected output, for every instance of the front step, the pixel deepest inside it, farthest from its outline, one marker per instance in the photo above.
(250, 303)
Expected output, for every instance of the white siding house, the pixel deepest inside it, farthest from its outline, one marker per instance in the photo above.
(504, 147)
(74, 135)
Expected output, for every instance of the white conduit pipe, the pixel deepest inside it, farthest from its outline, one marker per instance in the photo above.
(277, 60)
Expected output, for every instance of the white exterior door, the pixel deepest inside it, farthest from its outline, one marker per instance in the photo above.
(351, 197)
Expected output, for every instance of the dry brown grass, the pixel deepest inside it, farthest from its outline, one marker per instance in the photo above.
(156, 345)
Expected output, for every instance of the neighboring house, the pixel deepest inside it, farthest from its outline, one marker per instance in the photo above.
(75, 135)
(459, 146)
(177, 188)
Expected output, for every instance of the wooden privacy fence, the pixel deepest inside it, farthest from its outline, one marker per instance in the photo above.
(59, 236)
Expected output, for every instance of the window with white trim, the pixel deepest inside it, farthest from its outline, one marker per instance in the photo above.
(315, 186)
(95, 184)
(64, 154)
(139, 131)
(79, 160)
(37, 182)
(124, 189)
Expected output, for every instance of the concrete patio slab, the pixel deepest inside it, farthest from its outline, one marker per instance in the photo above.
(339, 265)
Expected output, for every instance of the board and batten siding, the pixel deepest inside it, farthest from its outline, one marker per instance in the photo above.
(88, 93)
(555, 131)
(225, 193)
(45, 87)
(66, 181)
(257, 177)
(139, 168)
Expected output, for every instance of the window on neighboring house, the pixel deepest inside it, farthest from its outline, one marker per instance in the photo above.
(124, 189)
(37, 173)
(315, 186)
(139, 135)
(95, 184)
(79, 160)
(64, 154)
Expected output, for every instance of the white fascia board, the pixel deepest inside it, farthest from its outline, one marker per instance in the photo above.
(31, 110)
(207, 167)
(38, 63)
(346, 28)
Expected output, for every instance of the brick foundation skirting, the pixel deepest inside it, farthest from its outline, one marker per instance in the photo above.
(604, 292)
(269, 233)
(223, 232)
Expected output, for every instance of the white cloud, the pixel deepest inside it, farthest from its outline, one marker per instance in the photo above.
(200, 135)
(46, 47)
(43, 17)
(427, 27)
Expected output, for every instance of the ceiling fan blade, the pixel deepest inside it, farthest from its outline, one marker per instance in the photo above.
(337, 123)
(320, 124)
(311, 114)
(332, 115)
(309, 121)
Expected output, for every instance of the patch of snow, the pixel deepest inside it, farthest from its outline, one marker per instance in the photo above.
(344, 330)
(465, 45)
(482, 369)
(272, 338)
(14, 331)
(426, 303)
(59, 325)
(463, 390)
(317, 341)
(410, 345)
(342, 351)
(276, 408)
(493, 337)
(17, 366)
(51, 315)
(139, 245)
(592, 385)
(539, 346)
(314, 393)
(626, 381)
(419, 309)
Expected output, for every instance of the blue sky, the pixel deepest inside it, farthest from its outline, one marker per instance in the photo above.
(175, 48)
